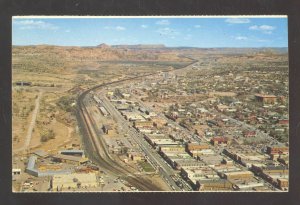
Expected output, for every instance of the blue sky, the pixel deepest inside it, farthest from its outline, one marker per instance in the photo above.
(173, 32)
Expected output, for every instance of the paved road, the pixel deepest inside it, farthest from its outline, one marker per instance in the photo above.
(97, 152)
(32, 124)
(90, 132)
(154, 157)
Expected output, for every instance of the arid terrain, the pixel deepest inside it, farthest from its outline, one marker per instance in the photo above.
(171, 83)
(60, 73)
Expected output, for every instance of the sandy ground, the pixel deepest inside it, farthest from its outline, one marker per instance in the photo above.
(20, 125)
(159, 182)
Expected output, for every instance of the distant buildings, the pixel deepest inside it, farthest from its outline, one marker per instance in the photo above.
(220, 141)
(267, 99)
(277, 150)
(275, 175)
(238, 175)
(197, 149)
(143, 124)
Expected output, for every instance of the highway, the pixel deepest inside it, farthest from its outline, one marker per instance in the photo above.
(111, 166)
(154, 157)
(96, 149)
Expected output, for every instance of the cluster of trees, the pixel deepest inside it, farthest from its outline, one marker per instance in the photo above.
(65, 103)
(47, 135)
(227, 99)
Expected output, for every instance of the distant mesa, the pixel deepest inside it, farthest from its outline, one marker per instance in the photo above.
(103, 45)
(141, 46)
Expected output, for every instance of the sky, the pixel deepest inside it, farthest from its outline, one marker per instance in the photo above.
(172, 32)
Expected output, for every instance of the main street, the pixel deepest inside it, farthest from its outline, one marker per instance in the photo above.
(95, 149)
(154, 157)
(102, 157)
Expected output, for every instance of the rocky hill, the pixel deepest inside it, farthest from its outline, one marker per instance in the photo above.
(141, 46)
(101, 52)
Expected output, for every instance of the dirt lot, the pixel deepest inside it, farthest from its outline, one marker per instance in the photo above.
(22, 108)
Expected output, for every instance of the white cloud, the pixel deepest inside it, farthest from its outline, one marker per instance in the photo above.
(167, 31)
(197, 26)
(163, 22)
(120, 28)
(117, 28)
(237, 20)
(241, 38)
(263, 40)
(263, 28)
(34, 24)
(67, 31)
(255, 27)
(144, 26)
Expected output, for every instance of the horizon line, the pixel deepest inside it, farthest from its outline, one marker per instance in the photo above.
(149, 45)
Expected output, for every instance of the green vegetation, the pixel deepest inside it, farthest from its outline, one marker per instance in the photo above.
(227, 99)
(146, 166)
(47, 135)
(65, 103)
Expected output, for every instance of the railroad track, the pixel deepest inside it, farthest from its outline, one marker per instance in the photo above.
(101, 157)
(93, 144)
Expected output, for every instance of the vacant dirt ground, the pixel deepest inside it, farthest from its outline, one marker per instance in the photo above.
(23, 105)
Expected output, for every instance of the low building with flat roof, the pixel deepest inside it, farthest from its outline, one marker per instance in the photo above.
(211, 160)
(143, 124)
(275, 175)
(16, 171)
(246, 157)
(277, 150)
(41, 153)
(31, 169)
(65, 182)
(70, 159)
(197, 153)
(283, 184)
(238, 175)
(220, 141)
(197, 146)
(270, 99)
(170, 146)
(215, 185)
(194, 174)
(221, 169)
(107, 129)
(247, 185)
(72, 152)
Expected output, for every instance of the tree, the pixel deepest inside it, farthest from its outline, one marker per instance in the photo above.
(47, 135)
(65, 103)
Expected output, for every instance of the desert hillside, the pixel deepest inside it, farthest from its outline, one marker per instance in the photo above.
(102, 52)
